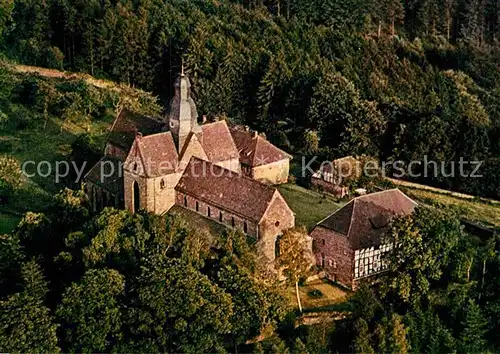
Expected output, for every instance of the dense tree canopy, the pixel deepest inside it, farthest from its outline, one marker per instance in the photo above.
(393, 79)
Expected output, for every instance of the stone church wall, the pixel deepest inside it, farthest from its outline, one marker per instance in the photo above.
(278, 218)
(128, 185)
(273, 173)
(189, 202)
(334, 255)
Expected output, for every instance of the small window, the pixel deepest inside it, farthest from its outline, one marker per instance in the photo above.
(245, 227)
(322, 260)
(220, 216)
(208, 211)
(197, 206)
(135, 166)
(232, 222)
(162, 184)
(277, 223)
(185, 201)
(277, 250)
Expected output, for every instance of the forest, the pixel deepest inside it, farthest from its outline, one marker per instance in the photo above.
(116, 282)
(390, 79)
(396, 80)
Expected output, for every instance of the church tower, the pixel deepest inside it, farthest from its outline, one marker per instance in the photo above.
(183, 116)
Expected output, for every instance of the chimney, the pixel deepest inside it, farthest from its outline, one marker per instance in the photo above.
(203, 119)
(255, 134)
(247, 128)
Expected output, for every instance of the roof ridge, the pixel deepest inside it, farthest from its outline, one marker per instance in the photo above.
(240, 175)
(379, 192)
(156, 134)
(352, 216)
(216, 122)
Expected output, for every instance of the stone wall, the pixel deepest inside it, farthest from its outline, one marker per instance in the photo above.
(100, 198)
(217, 214)
(273, 173)
(278, 217)
(333, 255)
(128, 190)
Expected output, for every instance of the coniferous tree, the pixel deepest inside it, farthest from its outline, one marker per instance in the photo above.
(27, 324)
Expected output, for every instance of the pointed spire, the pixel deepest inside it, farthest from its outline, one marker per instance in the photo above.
(182, 66)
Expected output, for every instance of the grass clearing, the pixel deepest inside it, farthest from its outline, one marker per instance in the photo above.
(333, 297)
(471, 209)
(309, 206)
(8, 223)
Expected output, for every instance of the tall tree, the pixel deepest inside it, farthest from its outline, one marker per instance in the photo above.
(90, 311)
(27, 324)
(474, 328)
(294, 259)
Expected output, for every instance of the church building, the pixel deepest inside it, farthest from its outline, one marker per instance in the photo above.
(225, 174)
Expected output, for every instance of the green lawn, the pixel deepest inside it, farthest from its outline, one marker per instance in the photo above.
(36, 143)
(309, 206)
(333, 298)
(8, 223)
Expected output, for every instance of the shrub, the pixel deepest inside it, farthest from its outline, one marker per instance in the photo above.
(315, 293)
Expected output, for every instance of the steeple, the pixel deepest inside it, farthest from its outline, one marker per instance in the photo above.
(183, 116)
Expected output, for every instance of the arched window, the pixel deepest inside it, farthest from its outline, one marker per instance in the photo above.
(197, 206)
(232, 221)
(245, 227)
(137, 196)
(220, 216)
(135, 166)
(277, 246)
(208, 211)
(162, 184)
(185, 201)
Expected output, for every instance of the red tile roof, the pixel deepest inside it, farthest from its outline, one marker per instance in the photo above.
(365, 219)
(254, 150)
(217, 142)
(226, 189)
(158, 153)
(128, 123)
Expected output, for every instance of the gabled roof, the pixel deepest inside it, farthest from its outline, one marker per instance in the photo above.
(192, 147)
(226, 189)
(157, 153)
(107, 173)
(254, 150)
(365, 219)
(218, 142)
(128, 124)
(347, 166)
